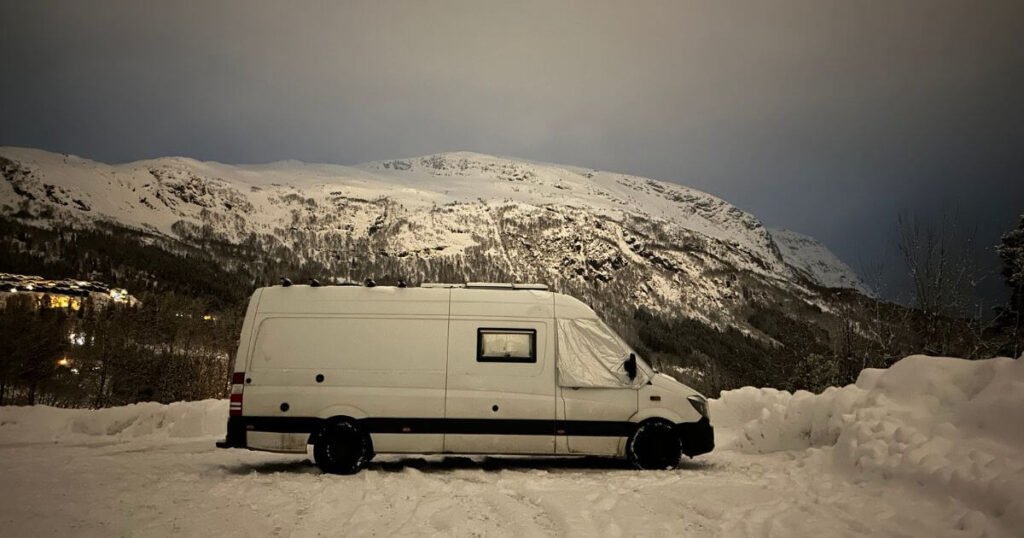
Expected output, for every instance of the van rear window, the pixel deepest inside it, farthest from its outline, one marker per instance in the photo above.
(506, 345)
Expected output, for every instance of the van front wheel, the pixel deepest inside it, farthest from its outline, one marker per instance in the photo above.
(342, 448)
(654, 445)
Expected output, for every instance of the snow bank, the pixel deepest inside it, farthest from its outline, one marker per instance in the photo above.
(40, 423)
(951, 425)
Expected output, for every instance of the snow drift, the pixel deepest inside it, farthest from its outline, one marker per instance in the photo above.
(32, 424)
(954, 426)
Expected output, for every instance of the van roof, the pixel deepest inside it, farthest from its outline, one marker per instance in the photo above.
(425, 300)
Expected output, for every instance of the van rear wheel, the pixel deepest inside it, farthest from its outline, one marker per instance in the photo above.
(342, 448)
(655, 445)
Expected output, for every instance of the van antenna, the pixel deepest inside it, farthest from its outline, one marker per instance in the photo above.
(285, 281)
(370, 283)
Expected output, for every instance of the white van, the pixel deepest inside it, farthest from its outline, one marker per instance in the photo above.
(453, 369)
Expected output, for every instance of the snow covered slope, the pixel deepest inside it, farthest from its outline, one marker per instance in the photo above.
(814, 260)
(159, 192)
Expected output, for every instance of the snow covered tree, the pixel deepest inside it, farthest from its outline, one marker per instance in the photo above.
(940, 262)
(1011, 251)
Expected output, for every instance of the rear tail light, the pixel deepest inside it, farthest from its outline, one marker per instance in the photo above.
(235, 400)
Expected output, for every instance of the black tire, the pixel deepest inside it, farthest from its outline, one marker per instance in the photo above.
(655, 445)
(342, 448)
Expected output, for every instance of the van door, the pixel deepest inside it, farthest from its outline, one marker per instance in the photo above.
(500, 396)
(598, 396)
(597, 419)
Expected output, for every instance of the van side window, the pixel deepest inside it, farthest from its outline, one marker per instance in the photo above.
(506, 345)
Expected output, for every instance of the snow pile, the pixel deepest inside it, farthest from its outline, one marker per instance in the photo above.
(770, 420)
(185, 420)
(951, 425)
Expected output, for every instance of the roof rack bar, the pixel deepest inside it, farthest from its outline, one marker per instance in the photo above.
(528, 286)
(488, 286)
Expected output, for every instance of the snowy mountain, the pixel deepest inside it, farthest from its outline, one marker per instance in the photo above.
(157, 193)
(609, 237)
(815, 261)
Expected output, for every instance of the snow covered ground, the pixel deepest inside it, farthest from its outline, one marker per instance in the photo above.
(929, 447)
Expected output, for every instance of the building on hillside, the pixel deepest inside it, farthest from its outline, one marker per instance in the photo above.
(65, 293)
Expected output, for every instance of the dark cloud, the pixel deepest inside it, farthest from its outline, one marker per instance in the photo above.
(825, 117)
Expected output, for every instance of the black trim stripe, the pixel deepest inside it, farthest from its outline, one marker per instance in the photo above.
(282, 424)
(454, 426)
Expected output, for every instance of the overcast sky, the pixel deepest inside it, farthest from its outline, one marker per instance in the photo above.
(828, 118)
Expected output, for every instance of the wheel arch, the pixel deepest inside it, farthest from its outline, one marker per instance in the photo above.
(336, 414)
(656, 413)
(646, 415)
(341, 412)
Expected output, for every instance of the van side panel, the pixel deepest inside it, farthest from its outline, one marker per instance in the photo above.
(369, 366)
(245, 338)
(507, 407)
(406, 347)
(499, 392)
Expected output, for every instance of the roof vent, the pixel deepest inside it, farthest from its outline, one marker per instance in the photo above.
(285, 281)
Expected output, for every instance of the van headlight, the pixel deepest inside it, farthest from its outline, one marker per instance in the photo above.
(700, 404)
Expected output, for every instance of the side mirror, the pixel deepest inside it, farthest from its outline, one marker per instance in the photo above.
(630, 366)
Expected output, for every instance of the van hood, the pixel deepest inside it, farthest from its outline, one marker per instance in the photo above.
(668, 383)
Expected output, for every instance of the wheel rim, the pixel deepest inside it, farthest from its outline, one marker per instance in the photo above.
(342, 448)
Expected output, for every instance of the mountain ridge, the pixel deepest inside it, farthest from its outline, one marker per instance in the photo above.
(696, 284)
(625, 195)
(607, 237)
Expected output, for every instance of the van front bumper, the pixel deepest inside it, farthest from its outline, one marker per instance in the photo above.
(697, 437)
